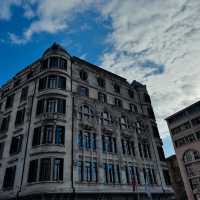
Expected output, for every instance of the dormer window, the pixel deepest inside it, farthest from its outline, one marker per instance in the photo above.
(54, 62)
(101, 82)
(116, 88)
(83, 75)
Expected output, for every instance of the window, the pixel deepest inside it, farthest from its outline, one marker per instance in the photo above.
(86, 112)
(112, 173)
(133, 108)
(59, 135)
(24, 94)
(131, 93)
(1, 149)
(109, 144)
(191, 155)
(149, 176)
(195, 183)
(118, 102)
(167, 177)
(63, 64)
(128, 147)
(20, 117)
(102, 97)
(101, 82)
(9, 101)
(87, 171)
(106, 118)
(123, 122)
(87, 140)
(45, 64)
(144, 149)
(36, 136)
(16, 144)
(180, 128)
(53, 105)
(196, 121)
(5, 124)
(48, 135)
(130, 174)
(83, 91)
(62, 82)
(32, 174)
(58, 169)
(52, 82)
(45, 169)
(9, 177)
(40, 106)
(161, 153)
(116, 88)
(53, 62)
(83, 75)
(42, 83)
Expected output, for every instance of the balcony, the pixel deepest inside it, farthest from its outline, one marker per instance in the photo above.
(107, 128)
(87, 123)
(52, 116)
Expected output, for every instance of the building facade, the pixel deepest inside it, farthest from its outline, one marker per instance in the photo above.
(176, 178)
(184, 128)
(72, 130)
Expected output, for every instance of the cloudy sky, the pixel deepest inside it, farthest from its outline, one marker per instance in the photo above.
(153, 41)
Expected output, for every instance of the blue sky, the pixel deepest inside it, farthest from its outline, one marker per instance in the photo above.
(153, 41)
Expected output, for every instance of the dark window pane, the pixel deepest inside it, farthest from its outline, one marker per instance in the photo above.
(20, 116)
(16, 144)
(1, 149)
(83, 91)
(63, 64)
(33, 167)
(45, 169)
(59, 135)
(61, 106)
(83, 75)
(62, 83)
(9, 177)
(36, 136)
(5, 124)
(52, 82)
(116, 88)
(40, 107)
(101, 82)
(9, 101)
(48, 135)
(42, 83)
(24, 94)
(53, 62)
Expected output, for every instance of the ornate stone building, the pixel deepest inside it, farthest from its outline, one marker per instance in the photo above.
(72, 130)
(185, 132)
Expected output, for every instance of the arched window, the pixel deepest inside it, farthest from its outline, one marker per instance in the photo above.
(86, 112)
(123, 121)
(106, 118)
(191, 155)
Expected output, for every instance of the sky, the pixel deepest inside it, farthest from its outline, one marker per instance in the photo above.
(155, 42)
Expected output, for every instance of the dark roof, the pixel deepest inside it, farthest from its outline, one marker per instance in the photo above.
(96, 67)
(57, 48)
(183, 110)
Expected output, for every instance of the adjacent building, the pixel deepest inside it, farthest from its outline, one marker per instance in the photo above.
(72, 130)
(184, 127)
(176, 178)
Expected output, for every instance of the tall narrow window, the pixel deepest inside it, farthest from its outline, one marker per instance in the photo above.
(24, 94)
(1, 149)
(51, 105)
(83, 75)
(83, 91)
(36, 136)
(45, 169)
(9, 101)
(60, 135)
(102, 97)
(20, 116)
(16, 144)
(118, 102)
(48, 135)
(40, 106)
(62, 82)
(53, 62)
(42, 83)
(5, 124)
(63, 64)
(32, 174)
(116, 88)
(9, 177)
(52, 82)
(101, 82)
(61, 104)
(58, 169)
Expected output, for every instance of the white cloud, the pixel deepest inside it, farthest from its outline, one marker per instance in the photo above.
(158, 43)
(6, 6)
(50, 16)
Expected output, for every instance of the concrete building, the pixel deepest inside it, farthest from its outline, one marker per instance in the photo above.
(176, 178)
(184, 127)
(72, 130)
